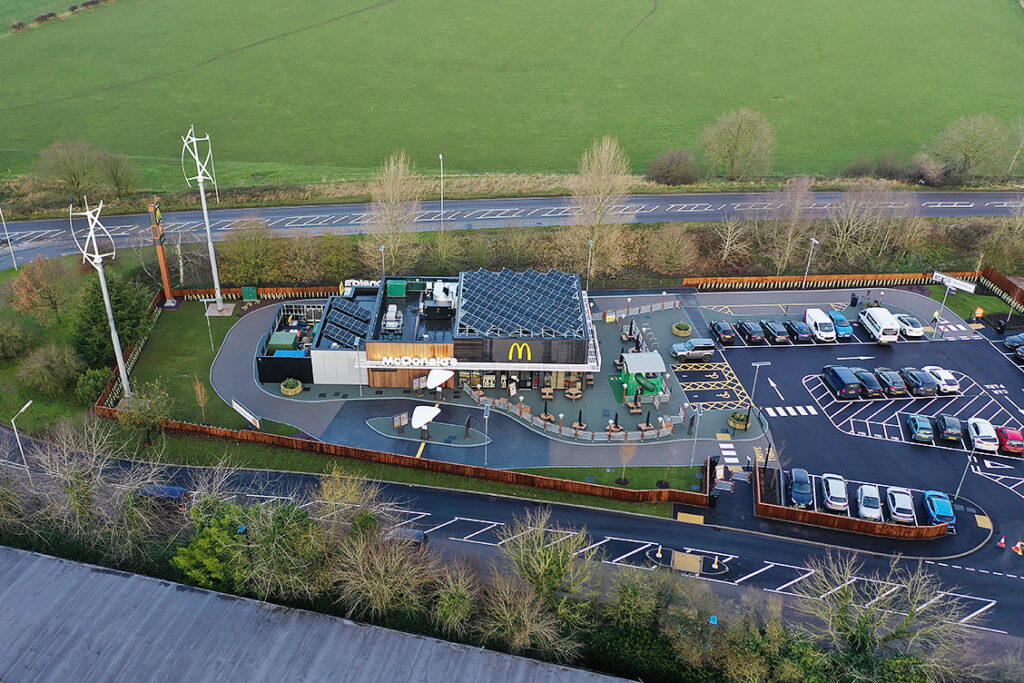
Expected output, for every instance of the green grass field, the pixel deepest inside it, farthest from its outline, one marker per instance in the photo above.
(300, 90)
(963, 304)
(681, 478)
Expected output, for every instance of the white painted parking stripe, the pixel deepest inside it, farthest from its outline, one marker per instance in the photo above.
(751, 575)
(620, 558)
(770, 411)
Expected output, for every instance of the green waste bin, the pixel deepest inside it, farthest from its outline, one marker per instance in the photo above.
(249, 294)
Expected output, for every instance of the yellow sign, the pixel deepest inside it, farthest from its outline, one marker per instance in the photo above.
(979, 312)
(520, 347)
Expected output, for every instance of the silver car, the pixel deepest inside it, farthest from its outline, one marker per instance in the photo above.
(982, 435)
(901, 505)
(944, 378)
(909, 326)
(869, 502)
(833, 488)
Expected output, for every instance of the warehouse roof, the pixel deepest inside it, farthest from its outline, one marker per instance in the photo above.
(63, 620)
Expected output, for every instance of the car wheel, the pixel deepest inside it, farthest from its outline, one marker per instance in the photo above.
(705, 359)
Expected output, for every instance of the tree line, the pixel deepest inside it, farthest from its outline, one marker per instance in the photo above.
(546, 594)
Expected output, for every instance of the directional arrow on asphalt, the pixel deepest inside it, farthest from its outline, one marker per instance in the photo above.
(855, 358)
(996, 465)
(776, 388)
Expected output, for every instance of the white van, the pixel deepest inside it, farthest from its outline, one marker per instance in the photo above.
(880, 323)
(821, 327)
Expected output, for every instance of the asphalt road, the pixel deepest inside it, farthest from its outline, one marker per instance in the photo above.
(52, 237)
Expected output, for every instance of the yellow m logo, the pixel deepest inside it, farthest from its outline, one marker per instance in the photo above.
(519, 348)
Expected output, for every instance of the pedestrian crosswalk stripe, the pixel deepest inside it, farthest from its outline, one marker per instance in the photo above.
(811, 410)
(800, 409)
(770, 411)
(790, 410)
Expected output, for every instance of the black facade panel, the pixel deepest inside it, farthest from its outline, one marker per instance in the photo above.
(271, 369)
(512, 351)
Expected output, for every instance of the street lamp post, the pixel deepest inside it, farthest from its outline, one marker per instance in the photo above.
(590, 261)
(696, 433)
(441, 158)
(963, 476)
(18, 438)
(807, 270)
(382, 264)
(757, 365)
(7, 237)
(209, 327)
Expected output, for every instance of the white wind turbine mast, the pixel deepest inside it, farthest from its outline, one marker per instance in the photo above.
(205, 171)
(96, 246)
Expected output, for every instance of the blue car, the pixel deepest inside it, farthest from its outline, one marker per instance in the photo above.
(920, 428)
(939, 509)
(844, 330)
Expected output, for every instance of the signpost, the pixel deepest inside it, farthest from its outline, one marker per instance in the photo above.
(399, 421)
(241, 410)
(951, 283)
(487, 440)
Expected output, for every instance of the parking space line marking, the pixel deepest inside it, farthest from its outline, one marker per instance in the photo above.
(593, 545)
(809, 572)
(765, 568)
(631, 552)
(444, 524)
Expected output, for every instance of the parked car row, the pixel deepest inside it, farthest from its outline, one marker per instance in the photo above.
(1015, 343)
(855, 382)
(899, 502)
(979, 434)
(816, 325)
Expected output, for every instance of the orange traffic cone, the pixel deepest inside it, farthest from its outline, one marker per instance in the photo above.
(1002, 542)
(1019, 548)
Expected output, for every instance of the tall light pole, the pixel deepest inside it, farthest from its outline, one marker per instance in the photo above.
(18, 438)
(204, 171)
(696, 433)
(757, 365)
(93, 254)
(590, 260)
(970, 457)
(441, 158)
(807, 270)
(382, 264)
(8, 238)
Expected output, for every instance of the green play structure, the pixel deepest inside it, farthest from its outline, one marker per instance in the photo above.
(643, 371)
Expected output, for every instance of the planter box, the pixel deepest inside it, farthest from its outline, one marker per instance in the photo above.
(740, 424)
(291, 392)
(682, 333)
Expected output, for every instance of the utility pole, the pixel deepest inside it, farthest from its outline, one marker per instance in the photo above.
(93, 254)
(204, 171)
(807, 270)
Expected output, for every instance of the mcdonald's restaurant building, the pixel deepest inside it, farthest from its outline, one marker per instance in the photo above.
(491, 329)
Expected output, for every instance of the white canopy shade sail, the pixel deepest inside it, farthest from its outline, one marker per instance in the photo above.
(422, 415)
(437, 377)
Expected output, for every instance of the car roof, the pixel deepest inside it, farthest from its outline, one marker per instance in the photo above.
(949, 418)
(1010, 432)
(799, 470)
(978, 421)
(868, 488)
(940, 499)
(898, 491)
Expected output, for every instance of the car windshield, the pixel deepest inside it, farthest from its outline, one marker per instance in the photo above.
(1014, 442)
(826, 327)
(871, 502)
(801, 487)
(841, 320)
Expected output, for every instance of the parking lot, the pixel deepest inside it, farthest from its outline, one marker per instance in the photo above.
(886, 418)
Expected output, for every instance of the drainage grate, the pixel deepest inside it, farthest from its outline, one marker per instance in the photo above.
(337, 394)
(457, 394)
(378, 392)
(322, 395)
(406, 391)
(307, 388)
(344, 395)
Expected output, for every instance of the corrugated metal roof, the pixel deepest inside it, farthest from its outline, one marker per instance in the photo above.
(62, 620)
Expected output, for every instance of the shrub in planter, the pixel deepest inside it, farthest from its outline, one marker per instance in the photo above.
(738, 420)
(291, 387)
(681, 329)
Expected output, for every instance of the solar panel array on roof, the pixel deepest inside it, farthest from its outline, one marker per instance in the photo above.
(346, 323)
(527, 304)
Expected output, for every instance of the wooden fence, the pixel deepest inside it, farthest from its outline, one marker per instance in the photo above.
(817, 281)
(1003, 287)
(839, 522)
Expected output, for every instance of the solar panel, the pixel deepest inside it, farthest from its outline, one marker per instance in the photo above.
(353, 309)
(357, 327)
(340, 336)
(530, 303)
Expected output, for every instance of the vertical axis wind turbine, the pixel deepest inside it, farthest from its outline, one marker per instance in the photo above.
(93, 254)
(205, 171)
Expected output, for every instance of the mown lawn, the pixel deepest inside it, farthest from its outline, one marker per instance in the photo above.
(963, 303)
(681, 478)
(306, 89)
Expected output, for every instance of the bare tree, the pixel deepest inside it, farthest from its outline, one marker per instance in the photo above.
(395, 192)
(120, 173)
(972, 146)
(516, 240)
(45, 286)
(872, 222)
(76, 167)
(739, 144)
(627, 452)
(456, 600)
(516, 620)
(733, 235)
(599, 190)
(202, 398)
(785, 237)
(345, 502)
(674, 250)
(1017, 143)
(148, 408)
(866, 618)
(560, 572)
(252, 255)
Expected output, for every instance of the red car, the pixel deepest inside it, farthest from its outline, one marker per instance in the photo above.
(1010, 440)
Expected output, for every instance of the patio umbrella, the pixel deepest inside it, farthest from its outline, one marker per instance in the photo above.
(636, 344)
(636, 397)
(438, 377)
(422, 415)
(648, 420)
(545, 407)
(616, 419)
(579, 420)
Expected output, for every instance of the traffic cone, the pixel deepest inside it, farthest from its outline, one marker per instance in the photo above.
(1002, 542)
(1019, 548)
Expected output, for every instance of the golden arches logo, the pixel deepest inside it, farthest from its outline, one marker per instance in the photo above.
(519, 348)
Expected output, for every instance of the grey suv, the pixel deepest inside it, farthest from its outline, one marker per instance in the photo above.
(694, 349)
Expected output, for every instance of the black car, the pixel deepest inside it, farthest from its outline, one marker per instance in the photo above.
(919, 382)
(869, 385)
(750, 332)
(948, 427)
(1014, 341)
(892, 383)
(774, 331)
(799, 331)
(800, 493)
(723, 332)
